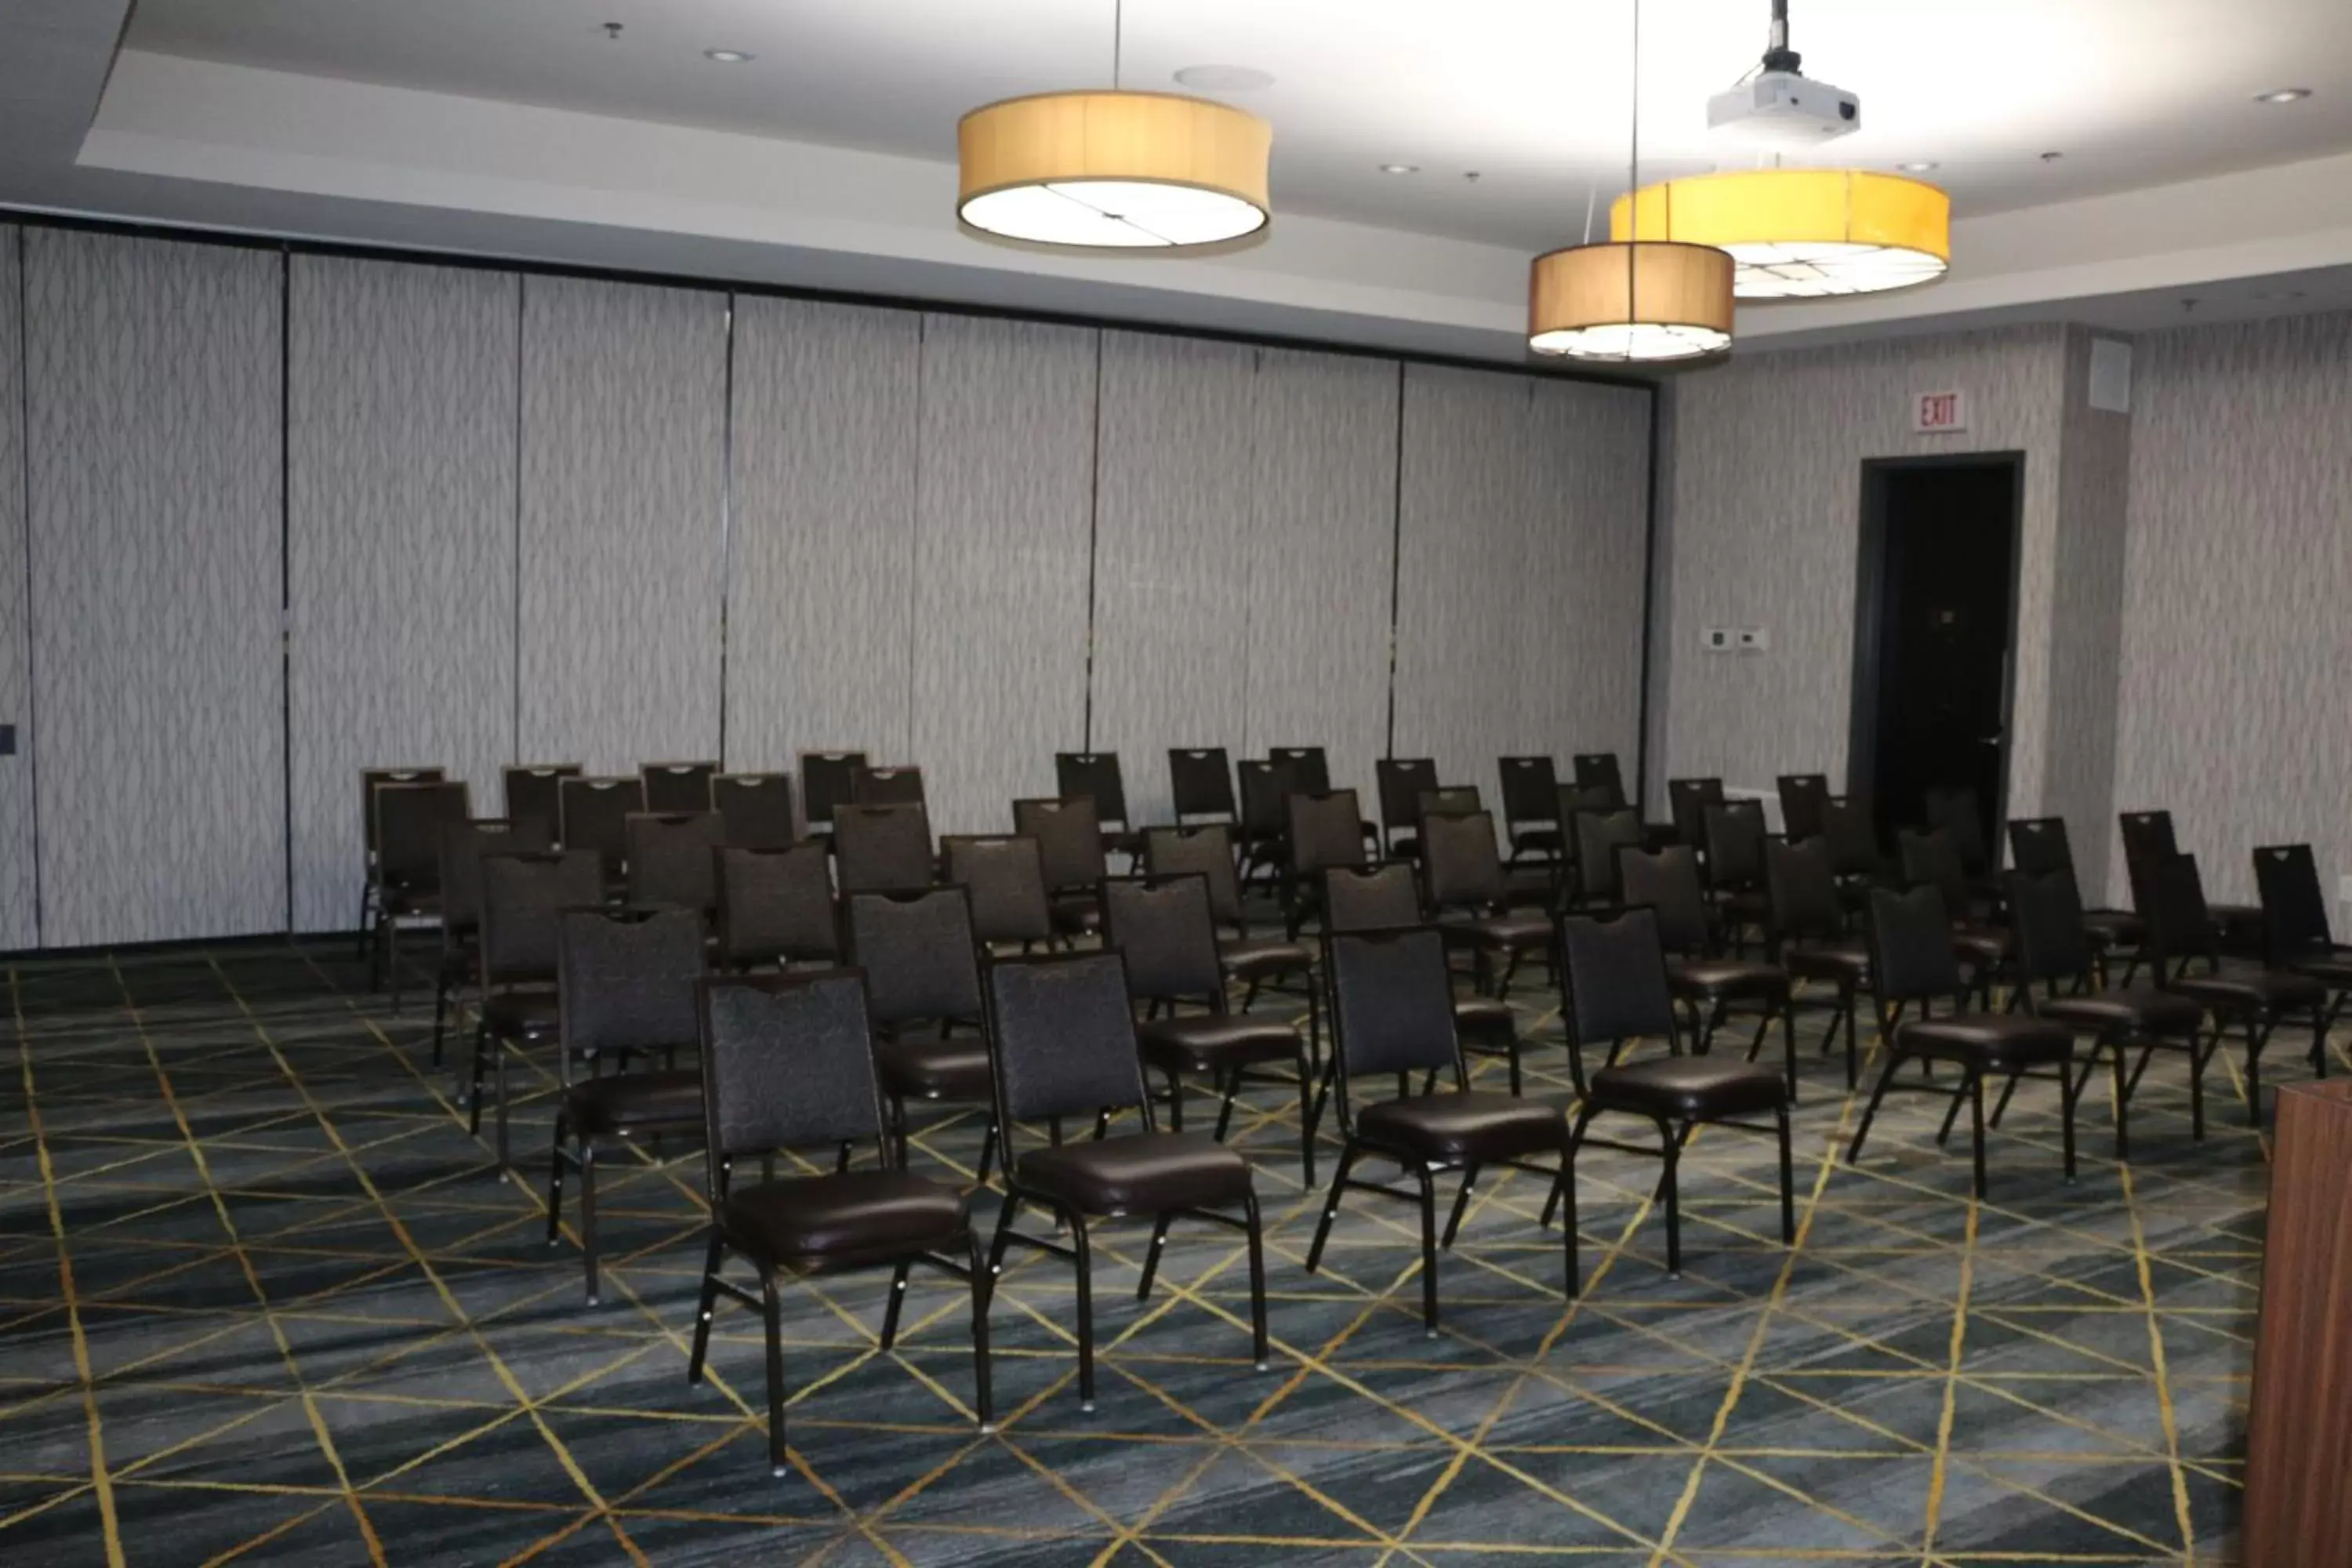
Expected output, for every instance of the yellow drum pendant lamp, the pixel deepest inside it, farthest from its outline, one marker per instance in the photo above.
(1802, 234)
(1113, 171)
(1642, 301)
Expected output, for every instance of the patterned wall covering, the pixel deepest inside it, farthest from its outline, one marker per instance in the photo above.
(153, 410)
(2235, 637)
(1519, 582)
(19, 924)
(1321, 549)
(820, 599)
(400, 546)
(622, 522)
(1002, 513)
(1172, 554)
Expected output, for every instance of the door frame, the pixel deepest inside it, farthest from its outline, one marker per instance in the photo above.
(1870, 563)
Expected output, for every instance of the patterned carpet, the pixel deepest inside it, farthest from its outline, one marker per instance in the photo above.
(262, 1298)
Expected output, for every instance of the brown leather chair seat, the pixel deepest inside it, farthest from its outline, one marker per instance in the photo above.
(1263, 958)
(1148, 1173)
(1211, 1042)
(1989, 1042)
(2335, 973)
(1471, 1126)
(1688, 1089)
(631, 1101)
(1078, 914)
(2114, 928)
(2137, 1010)
(1512, 932)
(1484, 1020)
(2266, 991)
(1747, 906)
(843, 1220)
(515, 1015)
(1984, 946)
(1712, 979)
(952, 1068)
(1841, 963)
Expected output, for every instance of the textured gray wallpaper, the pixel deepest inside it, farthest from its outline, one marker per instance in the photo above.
(400, 546)
(1321, 549)
(821, 580)
(622, 522)
(1001, 552)
(1172, 554)
(2236, 639)
(18, 924)
(153, 389)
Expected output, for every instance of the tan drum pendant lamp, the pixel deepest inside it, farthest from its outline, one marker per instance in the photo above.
(1631, 300)
(1113, 169)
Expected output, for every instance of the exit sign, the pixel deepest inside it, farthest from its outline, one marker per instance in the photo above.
(1939, 413)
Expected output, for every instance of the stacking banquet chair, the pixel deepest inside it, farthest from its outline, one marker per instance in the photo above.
(1323, 833)
(1599, 771)
(1400, 782)
(2038, 845)
(1005, 876)
(370, 778)
(1912, 962)
(2055, 952)
(1069, 842)
(1165, 929)
(1062, 1040)
(1850, 838)
(1810, 939)
(1707, 983)
(1932, 859)
(886, 786)
(1733, 835)
(673, 860)
(1095, 776)
(922, 969)
(1531, 818)
(409, 818)
(1534, 886)
(1201, 785)
(1465, 890)
(1599, 835)
(678, 786)
(1387, 897)
(463, 845)
(1310, 773)
(593, 814)
(1616, 990)
(775, 905)
(1955, 813)
(1686, 803)
(522, 897)
(1802, 795)
(529, 790)
(882, 849)
(787, 1063)
(2150, 842)
(1574, 801)
(1256, 963)
(2294, 922)
(1266, 789)
(2181, 929)
(757, 809)
(824, 783)
(1391, 1014)
(625, 988)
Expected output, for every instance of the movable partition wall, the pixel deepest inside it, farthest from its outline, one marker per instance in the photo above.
(284, 514)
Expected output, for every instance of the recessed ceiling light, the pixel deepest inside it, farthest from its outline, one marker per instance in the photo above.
(1224, 79)
(2284, 95)
(1917, 166)
(729, 56)
(1400, 168)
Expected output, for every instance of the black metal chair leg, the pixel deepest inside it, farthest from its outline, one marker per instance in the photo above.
(555, 1186)
(1563, 1185)
(474, 1090)
(897, 1302)
(2067, 1100)
(1151, 1257)
(1848, 1003)
(1085, 1264)
(1257, 1280)
(1870, 1112)
(2257, 1037)
(703, 1307)
(1671, 1183)
(1306, 1121)
(987, 1148)
(996, 1245)
(1428, 1183)
(1232, 1087)
(1952, 1112)
(981, 1293)
(1175, 1100)
(1789, 1042)
(1977, 1124)
(1788, 1181)
(1461, 1203)
(588, 1215)
(440, 1013)
(2008, 1089)
(1331, 1205)
(773, 1310)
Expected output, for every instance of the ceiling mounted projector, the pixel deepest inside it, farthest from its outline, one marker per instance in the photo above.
(1780, 106)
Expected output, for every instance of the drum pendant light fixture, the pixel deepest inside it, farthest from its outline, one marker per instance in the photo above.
(1113, 169)
(1634, 300)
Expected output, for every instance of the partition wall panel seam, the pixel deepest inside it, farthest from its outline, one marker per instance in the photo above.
(29, 741)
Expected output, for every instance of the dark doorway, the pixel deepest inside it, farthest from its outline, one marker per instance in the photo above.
(1935, 613)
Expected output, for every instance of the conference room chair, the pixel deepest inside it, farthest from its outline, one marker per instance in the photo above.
(1005, 876)
(1733, 835)
(1165, 930)
(1392, 1017)
(1913, 965)
(1468, 895)
(672, 860)
(528, 790)
(624, 984)
(871, 785)
(1266, 789)
(776, 907)
(1599, 835)
(2055, 952)
(2038, 846)
(1932, 858)
(1061, 1039)
(1852, 838)
(409, 818)
(2182, 931)
(1201, 785)
(882, 849)
(1253, 963)
(1095, 776)
(1808, 935)
(826, 784)
(1387, 897)
(516, 1007)
(922, 974)
(463, 845)
(1954, 811)
(1069, 843)
(757, 809)
(1599, 771)
(1400, 782)
(2148, 842)
(1709, 985)
(1310, 769)
(1322, 831)
(2295, 921)
(593, 814)
(1531, 819)
(1615, 990)
(785, 1064)
(370, 779)
(678, 786)
(1573, 801)
(1687, 804)
(1802, 795)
